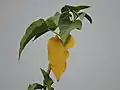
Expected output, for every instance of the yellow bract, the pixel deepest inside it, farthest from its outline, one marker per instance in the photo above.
(58, 54)
(69, 43)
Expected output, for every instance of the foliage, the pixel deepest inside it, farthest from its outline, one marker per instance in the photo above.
(59, 20)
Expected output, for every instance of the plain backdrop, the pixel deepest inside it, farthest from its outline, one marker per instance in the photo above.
(93, 63)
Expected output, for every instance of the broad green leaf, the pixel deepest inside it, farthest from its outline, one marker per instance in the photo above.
(51, 23)
(77, 24)
(36, 27)
(35, 86)
(47, 79)
(83, 14)
(73, 8)
(42, 30)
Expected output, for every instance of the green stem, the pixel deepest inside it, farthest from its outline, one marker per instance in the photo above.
(44, 88)
(48, 71)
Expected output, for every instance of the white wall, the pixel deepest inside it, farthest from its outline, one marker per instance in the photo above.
(93, 63)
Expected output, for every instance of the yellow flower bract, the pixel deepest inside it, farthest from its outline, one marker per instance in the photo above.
(58, 54)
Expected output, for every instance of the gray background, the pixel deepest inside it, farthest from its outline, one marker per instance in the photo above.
(93, 63)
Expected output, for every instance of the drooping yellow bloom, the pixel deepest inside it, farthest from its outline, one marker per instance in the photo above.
(58, 54)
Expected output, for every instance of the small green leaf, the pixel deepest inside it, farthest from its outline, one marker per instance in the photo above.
(32, 31)
(88, 17)
(83, 14)
(64, 21)
(77, 24)
(45, 74)
(47, 79)
(50, 88)
(56, 18)
(78, 8)
(65, 9)
(73, 8)
(35, 86)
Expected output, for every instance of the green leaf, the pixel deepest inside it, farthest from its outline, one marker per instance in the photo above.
(50, 88)
(83, 14)
(88, 17)
(56, 18)
(51, 23)
(42, 30)
(47, 79)
(64, 21)
(73, 8)
(36, 28)
(65, 9)
(77, 24)
(35, 86)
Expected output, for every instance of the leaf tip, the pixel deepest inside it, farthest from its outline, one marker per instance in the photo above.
(89, 6)
(41, 69)
(20, 51)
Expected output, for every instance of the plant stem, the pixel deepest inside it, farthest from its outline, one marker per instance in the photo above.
(48, 71)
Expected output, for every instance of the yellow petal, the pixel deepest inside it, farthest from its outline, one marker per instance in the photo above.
(70, 42)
